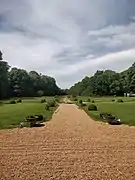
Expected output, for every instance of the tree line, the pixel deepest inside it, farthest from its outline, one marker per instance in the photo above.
(105, 83)
(16, 82)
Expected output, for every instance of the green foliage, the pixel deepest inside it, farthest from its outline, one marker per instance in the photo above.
(40, 93)
(20, 83)
(88, 100)
(125, 111)
(57, 99)
(83, 105)
(93, 101)
(92, 107)
(18, 100)
(12, 102)
(4, 84)
(43, 100)
(12, 115)
(106, 83)
(113, 100)
(51, 103)
(56, 96)
(47, 107)
(80, 101)
(120, 101)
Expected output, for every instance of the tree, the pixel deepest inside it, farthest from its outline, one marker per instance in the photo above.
(3, 77)
(19, 82)
(106, 82)
(1, 55)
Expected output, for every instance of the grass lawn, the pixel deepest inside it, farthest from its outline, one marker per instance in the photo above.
(12, 114)
(106, 99)
(125, 111)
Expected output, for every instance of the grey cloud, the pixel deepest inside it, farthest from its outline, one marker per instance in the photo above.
(67, 38)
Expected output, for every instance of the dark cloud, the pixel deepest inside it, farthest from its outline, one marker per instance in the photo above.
(68, 39)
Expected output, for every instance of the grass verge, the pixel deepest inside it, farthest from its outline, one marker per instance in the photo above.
(125, 111)
(12, 114)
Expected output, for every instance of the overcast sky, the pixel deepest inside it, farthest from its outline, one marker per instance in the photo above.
(68, 39)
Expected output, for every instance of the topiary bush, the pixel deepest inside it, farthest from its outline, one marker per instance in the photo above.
(74, 99)
(12, 102)
(88, 100)
(43, 100)
(18, 100)
(83, 105)
(47, 107)
(57, 99)
(92, 107)
(80, 101)
(120, 101)
(51, 103)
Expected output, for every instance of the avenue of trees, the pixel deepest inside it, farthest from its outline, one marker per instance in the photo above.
(16, 82)
(104, 83)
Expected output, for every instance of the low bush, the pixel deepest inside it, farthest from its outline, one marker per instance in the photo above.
(18, 100)
(12, 102)
(113, 100)
(51, 103)
(120, 101)
(57, 99)
(80, 101)
(47, 107)
(92, 107)
(43, 100)
(74, 99)
(88, 100)
(82, 104)
(93, 101)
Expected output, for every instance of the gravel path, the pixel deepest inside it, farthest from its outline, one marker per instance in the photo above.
(70, 147)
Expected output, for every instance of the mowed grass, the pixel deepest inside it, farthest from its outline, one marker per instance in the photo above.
(12, 114)
(125, 111)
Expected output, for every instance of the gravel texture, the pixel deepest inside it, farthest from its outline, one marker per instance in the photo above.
(70, 147)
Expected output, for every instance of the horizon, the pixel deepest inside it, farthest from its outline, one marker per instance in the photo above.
(68, 40)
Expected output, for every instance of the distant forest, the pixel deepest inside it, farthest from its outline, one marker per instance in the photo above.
(16, 82)
(105, 83)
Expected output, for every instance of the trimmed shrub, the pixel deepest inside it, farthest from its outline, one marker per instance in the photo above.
(120, 101)
(43, 100)
(12, 102)
(93, 101)
(88, 100)
(80, 101)
(83, 105)
(57, 99)
(113, 100)
(92, 107)
(18, 100)
(47, 107)
(74, 99)
(51, 103)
